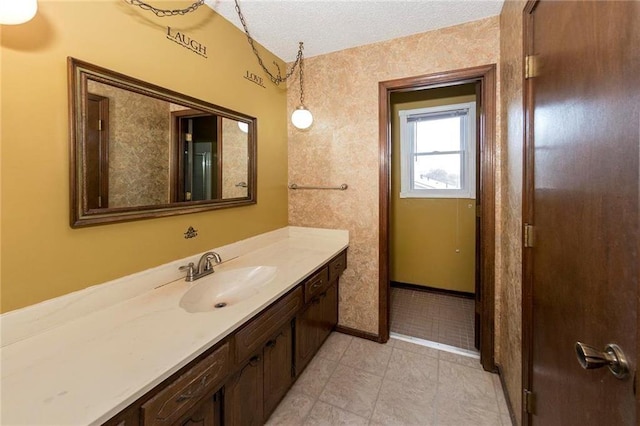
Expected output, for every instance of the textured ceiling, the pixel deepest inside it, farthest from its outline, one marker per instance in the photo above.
(331, 25)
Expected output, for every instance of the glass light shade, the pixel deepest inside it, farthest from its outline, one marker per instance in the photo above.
(14, 12)
(244, 127)
(302, 118)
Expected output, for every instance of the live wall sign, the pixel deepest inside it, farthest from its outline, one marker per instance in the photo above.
(187, 42)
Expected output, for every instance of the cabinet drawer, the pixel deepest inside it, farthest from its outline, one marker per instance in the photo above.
(337, 266)
(315, 284)
(258, 331)
(186, 391)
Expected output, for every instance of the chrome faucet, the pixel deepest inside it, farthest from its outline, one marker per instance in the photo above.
(204, 268)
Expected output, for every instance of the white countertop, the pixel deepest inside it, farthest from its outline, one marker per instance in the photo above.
(71, 361)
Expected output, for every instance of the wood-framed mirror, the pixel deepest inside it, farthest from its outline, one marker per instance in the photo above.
(142, 151)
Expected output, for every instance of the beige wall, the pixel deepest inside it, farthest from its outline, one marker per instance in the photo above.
(510, 312)
(41, 256)
(432, 239)
(139, 147)
(341, 90)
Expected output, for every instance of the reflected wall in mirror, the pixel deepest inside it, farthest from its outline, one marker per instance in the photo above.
(140, 151)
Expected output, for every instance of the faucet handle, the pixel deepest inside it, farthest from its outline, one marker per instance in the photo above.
(191, 271)
(207, 264)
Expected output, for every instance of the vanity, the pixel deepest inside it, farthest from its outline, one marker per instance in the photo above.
(155, 358)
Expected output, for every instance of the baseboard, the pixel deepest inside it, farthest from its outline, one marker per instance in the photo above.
(506, 395)
(357, 333)
(428, 289)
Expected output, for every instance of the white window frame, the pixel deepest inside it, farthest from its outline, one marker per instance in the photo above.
(467, 151)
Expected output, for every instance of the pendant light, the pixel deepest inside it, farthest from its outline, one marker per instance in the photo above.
(14, 12)
(301, 117)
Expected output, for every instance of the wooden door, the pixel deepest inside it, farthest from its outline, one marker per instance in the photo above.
(582, 160)
(278, 360)
(97, 152)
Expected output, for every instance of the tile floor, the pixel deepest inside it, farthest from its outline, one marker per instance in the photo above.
(432, 316)
(352, 381)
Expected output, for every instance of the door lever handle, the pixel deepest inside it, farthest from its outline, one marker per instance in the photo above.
(612, 357)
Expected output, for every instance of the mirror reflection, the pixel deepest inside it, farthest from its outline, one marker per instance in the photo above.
(143, 151)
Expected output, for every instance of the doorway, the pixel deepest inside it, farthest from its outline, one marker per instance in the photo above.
(485, 79)
(197, 147)
(433, 216)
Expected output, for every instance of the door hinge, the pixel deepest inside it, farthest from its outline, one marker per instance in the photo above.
(529, 402)
(530, 66)
(99, 200)
(99, 125)
(529, 239)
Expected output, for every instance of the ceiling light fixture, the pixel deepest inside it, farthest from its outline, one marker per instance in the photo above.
(14, 12)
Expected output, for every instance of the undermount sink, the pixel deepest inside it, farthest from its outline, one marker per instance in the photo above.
(225, 288)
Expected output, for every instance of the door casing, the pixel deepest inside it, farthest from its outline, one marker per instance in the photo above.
(485, 75)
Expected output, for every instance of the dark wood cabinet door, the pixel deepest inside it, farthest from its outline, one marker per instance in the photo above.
(243, 400)
(278, 359)
(207, 414)
(308, 325)
(315, 324)
(329, 311)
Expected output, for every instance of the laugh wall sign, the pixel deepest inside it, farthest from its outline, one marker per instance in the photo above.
(187, 42)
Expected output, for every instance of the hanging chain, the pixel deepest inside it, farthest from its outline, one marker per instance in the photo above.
(275, 79)
(165, 12)
(301, 65)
